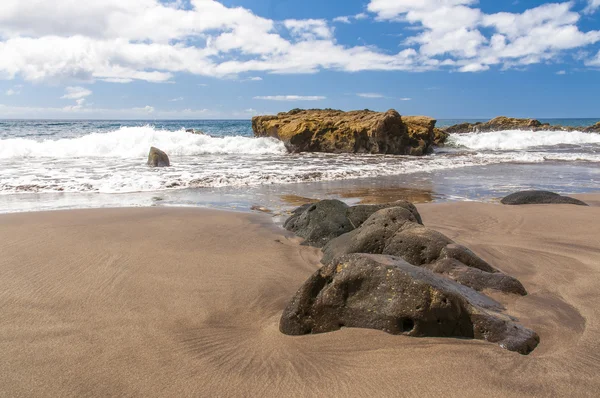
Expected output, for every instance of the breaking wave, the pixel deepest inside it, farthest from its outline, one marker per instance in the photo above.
(521, 140)
(134, 142)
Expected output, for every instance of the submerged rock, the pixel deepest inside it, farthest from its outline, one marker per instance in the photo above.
(387, 293)
(157, 158)
(539, 197)
(336, 131)
(320, 222)
(394, 231)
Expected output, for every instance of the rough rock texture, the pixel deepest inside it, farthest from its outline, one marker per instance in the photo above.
(393, 231)
(336, 131)
(320, 222)
(387, 293)
(157, 158)
(539, 197)
(507, 123)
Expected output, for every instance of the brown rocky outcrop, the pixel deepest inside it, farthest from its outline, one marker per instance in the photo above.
(336, 131)
(508, 123)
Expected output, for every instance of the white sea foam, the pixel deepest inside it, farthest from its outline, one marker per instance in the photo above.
(114, 162)
(134, 142)
(519, 140)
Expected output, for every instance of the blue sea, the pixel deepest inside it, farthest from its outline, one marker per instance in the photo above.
(54, 164)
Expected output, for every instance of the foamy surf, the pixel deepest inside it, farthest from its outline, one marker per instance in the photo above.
(113, 161)
(519, 140)
(134, 142)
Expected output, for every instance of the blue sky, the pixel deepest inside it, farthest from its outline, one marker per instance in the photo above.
(201, 59)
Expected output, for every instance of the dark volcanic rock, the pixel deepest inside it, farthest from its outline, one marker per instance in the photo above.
(387, 293)
(393, 231)
(539, 197)
(320, 222)
(157, 158)
(360, 213)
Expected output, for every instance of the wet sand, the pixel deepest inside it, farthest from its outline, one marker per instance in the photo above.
(186, 302)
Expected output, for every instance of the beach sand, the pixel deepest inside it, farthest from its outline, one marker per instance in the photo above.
(186, 302)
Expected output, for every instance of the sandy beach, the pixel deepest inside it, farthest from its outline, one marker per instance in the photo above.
(186, 302)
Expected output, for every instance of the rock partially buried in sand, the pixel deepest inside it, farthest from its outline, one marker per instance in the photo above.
(539, 197)
(387, 293)
(335, 131)
(320, 222)
(394, 231)
(157, 158)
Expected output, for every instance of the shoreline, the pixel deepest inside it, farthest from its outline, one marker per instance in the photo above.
(486, 183)
(174, 301)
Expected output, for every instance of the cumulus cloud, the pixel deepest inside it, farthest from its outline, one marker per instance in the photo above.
(474, 40)
(291, 97)
(121, 41)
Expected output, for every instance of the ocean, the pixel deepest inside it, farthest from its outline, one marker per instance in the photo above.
(52, 164)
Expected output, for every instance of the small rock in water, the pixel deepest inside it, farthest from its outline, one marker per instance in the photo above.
(199, 132)
(157, 158)
(261, 209)
(539, 197)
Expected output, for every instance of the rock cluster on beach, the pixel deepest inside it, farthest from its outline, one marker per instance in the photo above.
(508, 123)
(383, 269)
(335, 131)
(539, 197)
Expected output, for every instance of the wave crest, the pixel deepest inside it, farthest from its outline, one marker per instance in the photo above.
(518, 140)
(134, 142)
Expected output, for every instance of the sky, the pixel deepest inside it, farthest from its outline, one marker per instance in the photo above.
(233, 59)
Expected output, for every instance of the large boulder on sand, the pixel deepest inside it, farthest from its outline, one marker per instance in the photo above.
(320, 222)
(387, 293)
(393, 231)
(157, 158)
(539, 197)
(336, 131)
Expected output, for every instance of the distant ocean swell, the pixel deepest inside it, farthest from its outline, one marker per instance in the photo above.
(114, 161)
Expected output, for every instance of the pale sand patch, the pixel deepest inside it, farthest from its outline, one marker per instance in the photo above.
(186, 302)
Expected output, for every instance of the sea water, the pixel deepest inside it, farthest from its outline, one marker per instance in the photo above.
(74, 164)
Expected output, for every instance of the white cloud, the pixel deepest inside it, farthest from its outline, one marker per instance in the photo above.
(347, 19)
(147, 109)
(76, 92)
(121, 41)
(592, 6)
(405, 99)
(255, 78)
(176, 99)
(75, 112)
(474, 41)
(561, 72)
(12, 91)
(343, 19)
(594, 62)
(309, 29)
(291, 98)
(370, 95)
